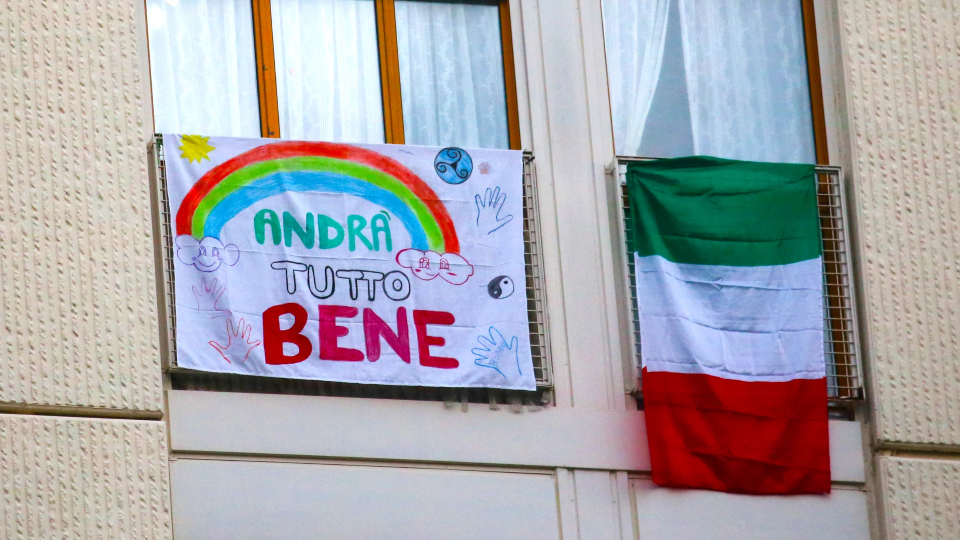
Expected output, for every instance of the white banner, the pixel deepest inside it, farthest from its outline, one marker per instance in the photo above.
(383, 264)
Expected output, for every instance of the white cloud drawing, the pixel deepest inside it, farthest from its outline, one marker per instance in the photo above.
(426, 265)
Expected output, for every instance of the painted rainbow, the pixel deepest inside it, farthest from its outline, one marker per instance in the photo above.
(275, 168)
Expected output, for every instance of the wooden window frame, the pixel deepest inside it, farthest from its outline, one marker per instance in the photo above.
(833, 261)
(389, 71)
(815, 82)
(266, 69)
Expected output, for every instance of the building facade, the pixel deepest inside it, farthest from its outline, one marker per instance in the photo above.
(100, 438)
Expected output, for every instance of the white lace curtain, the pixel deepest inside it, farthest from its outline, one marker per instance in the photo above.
(635, 33)
(204, 74)
(328, 70)
(745, 75)
(203, 67)
(451, 74)
(747, 80)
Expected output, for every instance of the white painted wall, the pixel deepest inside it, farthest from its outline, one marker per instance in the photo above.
(256, 500)
(411, 431)
(672, 514)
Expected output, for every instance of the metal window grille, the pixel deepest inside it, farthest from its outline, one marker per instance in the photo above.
(184, 379)
(841, 339)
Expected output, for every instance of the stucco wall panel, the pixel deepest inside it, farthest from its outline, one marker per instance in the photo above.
(78, 318)
(921, 497)
(903, 67)
(83, 478)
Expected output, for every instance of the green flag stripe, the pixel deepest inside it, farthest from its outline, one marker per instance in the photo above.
(703, 210)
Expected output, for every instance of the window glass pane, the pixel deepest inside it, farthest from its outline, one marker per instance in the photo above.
(727, 79)
(451, 74)
(328, 70)
(203, 67)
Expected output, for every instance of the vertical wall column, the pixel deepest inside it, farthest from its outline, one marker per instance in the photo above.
(78, 320)
(902, 60)
(570, 132)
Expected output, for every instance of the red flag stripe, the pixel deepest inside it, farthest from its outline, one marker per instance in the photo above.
(736, 436)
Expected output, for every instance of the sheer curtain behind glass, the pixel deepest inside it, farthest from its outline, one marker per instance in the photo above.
(451, 74)
(328, 70)
(635, 33)
(746, 69)
(203, 67)
(743, 85)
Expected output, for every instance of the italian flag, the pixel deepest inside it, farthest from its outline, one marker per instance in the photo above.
(730, 291)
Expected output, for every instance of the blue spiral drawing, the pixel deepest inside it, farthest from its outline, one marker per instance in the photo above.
(453, 165)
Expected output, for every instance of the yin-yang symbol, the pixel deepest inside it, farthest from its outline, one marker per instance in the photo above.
(500, 287)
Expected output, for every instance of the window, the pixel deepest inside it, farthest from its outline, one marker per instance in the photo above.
(735, 79)
(364, 71)
(203, 68)
(327, 69)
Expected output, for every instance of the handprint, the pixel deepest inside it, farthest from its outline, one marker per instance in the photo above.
(488, 210)
(239, 342)
(208, 296)
(496, 353)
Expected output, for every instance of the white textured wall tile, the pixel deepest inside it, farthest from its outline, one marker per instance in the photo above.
(903, 61)
(921, 498)
(83, 478)
(78, 320)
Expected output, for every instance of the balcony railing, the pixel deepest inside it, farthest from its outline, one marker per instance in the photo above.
(841, 338)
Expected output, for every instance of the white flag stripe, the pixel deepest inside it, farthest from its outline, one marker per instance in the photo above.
(748, 299)
(800, 275)
(747, 323)
(679, 346)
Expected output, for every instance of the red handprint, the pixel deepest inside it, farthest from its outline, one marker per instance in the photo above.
(239, 342)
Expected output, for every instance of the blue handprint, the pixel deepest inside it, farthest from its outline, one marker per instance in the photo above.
(489, 207)
(496, 353)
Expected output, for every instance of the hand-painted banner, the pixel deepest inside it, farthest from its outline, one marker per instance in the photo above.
(376, 264)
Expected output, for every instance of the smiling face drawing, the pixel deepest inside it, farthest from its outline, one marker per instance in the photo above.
(206, 255)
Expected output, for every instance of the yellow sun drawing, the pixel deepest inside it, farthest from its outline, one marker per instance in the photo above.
(195, 147)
